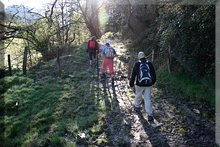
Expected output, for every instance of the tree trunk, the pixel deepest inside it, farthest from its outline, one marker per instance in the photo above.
(25, 60)
(9, 65)
(92, 21)
(155, 53)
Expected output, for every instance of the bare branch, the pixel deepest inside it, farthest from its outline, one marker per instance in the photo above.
(30, 11)
(10, 42)
(52, 9)
(13, 17)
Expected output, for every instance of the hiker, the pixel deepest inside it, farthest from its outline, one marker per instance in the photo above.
(92, 49)
(144, 74)
(108, 53)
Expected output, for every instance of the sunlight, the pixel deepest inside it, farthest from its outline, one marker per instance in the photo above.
(102, 1)
(103, 17)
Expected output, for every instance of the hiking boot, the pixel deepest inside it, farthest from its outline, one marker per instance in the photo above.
(113, 81)
(150, 118)
(137, 109)
(113, 77)
(103, 77)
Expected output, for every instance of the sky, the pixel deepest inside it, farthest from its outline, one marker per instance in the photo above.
(37, 4)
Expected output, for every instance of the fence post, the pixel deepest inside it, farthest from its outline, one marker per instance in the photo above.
(25, 60)
(9, 65)
(29, 52)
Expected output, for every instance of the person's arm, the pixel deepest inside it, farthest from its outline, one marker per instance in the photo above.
(97, 46)
(133, 75)
(102, 52)
(115, 54)
(153, 73)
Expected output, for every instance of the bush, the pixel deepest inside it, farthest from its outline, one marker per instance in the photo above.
(184, 86)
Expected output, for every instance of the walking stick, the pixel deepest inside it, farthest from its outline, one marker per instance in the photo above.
(97, 58)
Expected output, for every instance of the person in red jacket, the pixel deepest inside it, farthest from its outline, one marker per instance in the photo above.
(92, 49)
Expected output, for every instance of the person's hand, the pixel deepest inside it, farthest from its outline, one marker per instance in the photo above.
(133, 88)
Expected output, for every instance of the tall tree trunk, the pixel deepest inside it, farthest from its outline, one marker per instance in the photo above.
(90, 15)
(25, 60)
(9, 65)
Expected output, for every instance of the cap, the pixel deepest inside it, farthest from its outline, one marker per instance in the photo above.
(141, 55)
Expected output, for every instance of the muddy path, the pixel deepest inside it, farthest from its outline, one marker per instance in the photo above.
(182, 124)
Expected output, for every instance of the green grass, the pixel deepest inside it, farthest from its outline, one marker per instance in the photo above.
(52, 112)
(185, 86)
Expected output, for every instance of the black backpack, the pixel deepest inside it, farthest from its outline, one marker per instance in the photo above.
(145, 77)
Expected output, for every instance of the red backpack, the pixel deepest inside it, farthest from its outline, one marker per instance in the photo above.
(92, 44)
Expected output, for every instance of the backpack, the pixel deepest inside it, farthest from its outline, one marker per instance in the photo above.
(145, 77)
(92, 44)
(109, 52)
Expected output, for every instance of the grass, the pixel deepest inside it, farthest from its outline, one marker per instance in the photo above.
(185, 86)
(52, 112)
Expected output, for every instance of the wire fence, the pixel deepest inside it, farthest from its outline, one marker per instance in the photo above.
(14, 62)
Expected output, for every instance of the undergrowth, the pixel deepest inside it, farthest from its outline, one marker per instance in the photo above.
(187, 87)
(52, 112)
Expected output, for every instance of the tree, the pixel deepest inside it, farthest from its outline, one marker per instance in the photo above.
(57, 28)
(90, 13)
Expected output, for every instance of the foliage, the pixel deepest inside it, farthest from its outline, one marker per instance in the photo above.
(184, 33)
(182, 38)
(182, 85)
(189, 31)
(56, 31)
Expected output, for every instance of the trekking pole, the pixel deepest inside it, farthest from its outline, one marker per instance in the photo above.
(97, 58)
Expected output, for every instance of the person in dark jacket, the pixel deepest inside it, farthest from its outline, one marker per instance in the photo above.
(92, 49)
(143, 89)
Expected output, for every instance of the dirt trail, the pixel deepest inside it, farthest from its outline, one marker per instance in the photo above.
(181, 125)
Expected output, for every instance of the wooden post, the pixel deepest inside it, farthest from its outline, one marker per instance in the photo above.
(169, 59)
(153, 55)
(9, 65)
(29, 52)
(25, 60)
